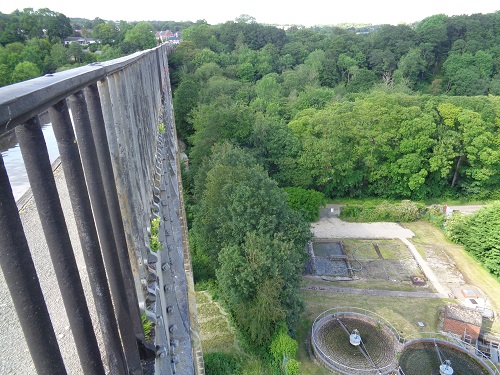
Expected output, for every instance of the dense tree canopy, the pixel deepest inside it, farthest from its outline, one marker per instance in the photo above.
(479, 233)
(247, 235)
(338, 112)
(37, 37)
(277, 122)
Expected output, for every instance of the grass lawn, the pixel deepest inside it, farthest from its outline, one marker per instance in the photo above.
(218, 336)
(403, 314)
(216, 332)
(365, 284)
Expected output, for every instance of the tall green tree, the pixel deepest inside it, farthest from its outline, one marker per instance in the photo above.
(106, 33)
(412, 65)
(246, 228)
(140, 37)
(220, 120)
(25, 70)
(468, 74)
(58, 25)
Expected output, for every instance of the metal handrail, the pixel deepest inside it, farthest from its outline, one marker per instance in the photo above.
(21, 101)
(131, 92)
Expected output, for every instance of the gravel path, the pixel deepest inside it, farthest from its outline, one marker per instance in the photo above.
(333, 227)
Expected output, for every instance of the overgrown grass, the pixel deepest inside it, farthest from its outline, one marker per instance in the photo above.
(364, 249)
(362, 284)
(221, 351)
(372, 211)
(402, 312)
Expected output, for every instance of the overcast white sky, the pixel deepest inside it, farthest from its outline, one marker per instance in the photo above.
(308, 13)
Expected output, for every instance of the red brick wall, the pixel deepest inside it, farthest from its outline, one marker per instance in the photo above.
(458, 327)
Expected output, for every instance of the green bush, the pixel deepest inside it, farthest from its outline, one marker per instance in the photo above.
(154, 243)
(283, 349)
(307, 202)
(293, 367)
(480, 235)
(404, 211)
(434, 215)
(218, 363)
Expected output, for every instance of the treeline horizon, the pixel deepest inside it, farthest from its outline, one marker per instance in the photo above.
(339, 115)
(32, 42)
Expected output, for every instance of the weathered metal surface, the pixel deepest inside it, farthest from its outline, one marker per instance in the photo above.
(105, 229)
(44, 190)
(80, 201)
(107, 174)
(20, 274)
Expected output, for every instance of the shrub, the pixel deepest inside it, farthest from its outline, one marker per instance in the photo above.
(154, 243)
(293, 367)
(404, 211)
(479, 233)
(218, 363)
(434, 214)
(307, 202)
(283, 349)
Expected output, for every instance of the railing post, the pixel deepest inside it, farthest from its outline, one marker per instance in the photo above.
(20, 274)
(103, 222)
(120, 172)
(36, 159)
(108, 177)
(75, 180)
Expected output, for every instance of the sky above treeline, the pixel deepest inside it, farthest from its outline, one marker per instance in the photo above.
(280, 12)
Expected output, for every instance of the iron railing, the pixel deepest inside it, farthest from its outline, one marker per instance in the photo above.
(120, 171)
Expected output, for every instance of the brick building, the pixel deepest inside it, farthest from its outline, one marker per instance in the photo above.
(463, 321)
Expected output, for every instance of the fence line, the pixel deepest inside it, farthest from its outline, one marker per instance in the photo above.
(120, 172)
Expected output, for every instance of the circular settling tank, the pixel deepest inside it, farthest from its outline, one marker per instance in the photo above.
(423, 358)
(332, 338)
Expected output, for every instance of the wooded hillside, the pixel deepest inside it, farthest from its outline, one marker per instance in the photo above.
(403, 112)
(346, 114)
